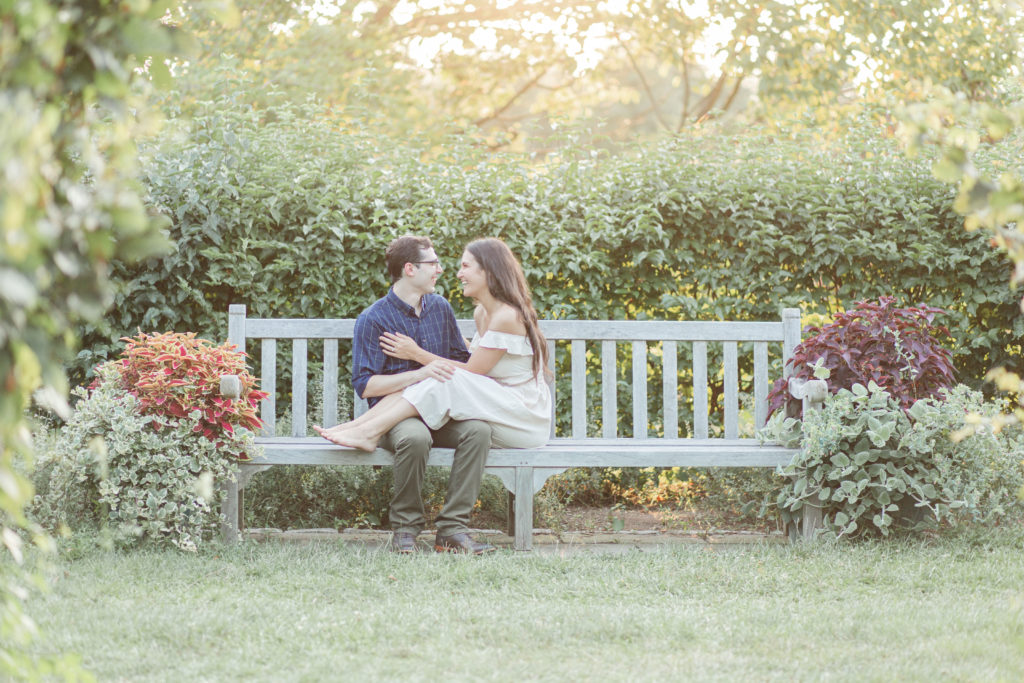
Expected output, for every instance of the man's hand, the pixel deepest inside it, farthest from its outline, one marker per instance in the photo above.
(439, 369)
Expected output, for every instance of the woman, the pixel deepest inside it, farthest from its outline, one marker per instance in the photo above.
(502, 383)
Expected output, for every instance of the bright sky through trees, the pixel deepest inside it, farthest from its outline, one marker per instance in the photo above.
(511, 69)
(586, 46)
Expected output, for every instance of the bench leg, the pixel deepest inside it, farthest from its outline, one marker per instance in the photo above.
(510, 515)
(229, 511)
(812, 522)
(523, 510)
(808, 527)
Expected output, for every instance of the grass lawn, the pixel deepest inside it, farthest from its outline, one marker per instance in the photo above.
(910, 610)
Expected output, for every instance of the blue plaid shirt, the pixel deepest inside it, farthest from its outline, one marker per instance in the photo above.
(434, 330)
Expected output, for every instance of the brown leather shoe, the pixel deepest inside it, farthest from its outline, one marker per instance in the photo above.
(461, 543)
(403, 543)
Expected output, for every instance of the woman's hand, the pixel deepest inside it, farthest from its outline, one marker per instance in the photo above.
(401, 346)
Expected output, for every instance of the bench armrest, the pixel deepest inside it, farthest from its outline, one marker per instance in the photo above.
(230, 386)
(810, 392)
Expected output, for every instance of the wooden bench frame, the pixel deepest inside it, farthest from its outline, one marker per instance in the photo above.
(524, 471)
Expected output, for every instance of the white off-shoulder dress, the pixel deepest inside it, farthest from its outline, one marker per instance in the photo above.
(515, 402)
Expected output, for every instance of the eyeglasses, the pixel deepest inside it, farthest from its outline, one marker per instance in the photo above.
(434, 263)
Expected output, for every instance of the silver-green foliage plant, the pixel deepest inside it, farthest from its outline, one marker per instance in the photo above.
(979, 464)
(872, 467)
(144, 477)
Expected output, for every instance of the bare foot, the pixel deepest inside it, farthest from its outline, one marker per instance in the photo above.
(329, 432)
(347, 438)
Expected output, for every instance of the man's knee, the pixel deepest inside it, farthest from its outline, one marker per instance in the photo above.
(410, 436)
(475, 433)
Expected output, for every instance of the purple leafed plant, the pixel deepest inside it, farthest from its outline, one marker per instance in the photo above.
(899, 349)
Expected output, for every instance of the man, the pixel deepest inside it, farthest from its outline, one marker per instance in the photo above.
(412, 308)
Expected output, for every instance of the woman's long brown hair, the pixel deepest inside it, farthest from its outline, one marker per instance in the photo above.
(507, 283)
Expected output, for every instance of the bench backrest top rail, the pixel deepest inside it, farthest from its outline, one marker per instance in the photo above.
(666, 335)
(614, 330)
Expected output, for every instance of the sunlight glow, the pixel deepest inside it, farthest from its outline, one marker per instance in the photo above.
(586, 47)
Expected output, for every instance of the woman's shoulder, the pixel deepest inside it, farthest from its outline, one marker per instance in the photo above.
(480, 317)
(506, 320)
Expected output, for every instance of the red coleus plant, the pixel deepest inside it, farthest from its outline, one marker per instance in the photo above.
(899, 349)
(174, 373)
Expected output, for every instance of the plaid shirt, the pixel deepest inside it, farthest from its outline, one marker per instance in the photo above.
(434, 330)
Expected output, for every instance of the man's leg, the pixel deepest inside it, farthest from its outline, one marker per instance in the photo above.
(471, 440)
(410, 441)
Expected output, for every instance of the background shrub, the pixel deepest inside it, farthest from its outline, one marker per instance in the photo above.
(289, 497)
(899, 349)
(274, 208)
(871, 466)
(149, 471)
(173, 374)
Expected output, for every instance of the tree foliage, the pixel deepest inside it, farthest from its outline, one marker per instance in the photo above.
(69, 205)
(990, 197)
(524, 68)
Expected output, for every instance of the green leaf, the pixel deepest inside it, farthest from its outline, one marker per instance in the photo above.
(947, 170)
(799, 486)
(920, 410)
(840, 460)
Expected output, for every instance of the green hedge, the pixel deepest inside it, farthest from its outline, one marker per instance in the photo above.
(285, 212)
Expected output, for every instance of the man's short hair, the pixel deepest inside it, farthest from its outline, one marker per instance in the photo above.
(402, 250)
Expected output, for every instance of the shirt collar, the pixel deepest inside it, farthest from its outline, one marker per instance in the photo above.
(405, 308)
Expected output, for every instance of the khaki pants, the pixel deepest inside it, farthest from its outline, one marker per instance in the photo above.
(411, 441)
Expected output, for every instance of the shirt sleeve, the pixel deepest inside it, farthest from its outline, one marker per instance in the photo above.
(457, 345)
(367, 356)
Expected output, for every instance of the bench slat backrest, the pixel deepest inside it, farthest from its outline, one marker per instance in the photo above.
(646, 339)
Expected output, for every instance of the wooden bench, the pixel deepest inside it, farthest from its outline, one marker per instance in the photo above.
(523, 471)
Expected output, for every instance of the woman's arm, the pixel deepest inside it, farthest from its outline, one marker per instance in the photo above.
(480, 362)
(402, 346)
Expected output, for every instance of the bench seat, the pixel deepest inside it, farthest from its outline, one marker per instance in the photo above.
(556, 453)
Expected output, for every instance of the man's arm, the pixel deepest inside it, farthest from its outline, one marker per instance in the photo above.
(367, 358)
(368, 378)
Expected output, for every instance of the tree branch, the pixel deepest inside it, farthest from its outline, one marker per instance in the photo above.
(643, 82)
(446, 20)
(512, 100)
(707, 102)
(685, 114)
(383, 13)
(732, 95)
